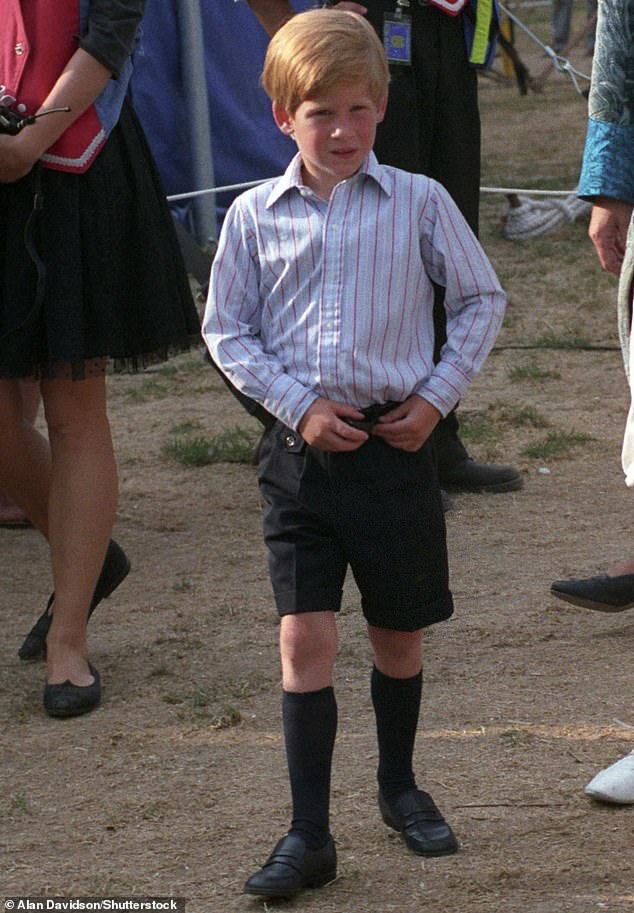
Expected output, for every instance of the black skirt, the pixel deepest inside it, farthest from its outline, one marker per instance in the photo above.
(95, 274)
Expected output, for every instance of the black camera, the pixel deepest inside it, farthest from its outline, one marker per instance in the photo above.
(12, 123)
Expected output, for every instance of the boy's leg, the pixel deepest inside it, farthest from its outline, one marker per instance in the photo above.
(307, 567)
(308, 646)
(396, 695)
(306, 856)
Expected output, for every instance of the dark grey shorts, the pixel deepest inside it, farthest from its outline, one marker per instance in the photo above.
(377, 510)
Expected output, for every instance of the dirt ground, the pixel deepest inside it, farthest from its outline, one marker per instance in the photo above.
(176, 785)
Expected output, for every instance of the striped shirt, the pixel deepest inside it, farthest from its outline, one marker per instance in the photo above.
(310, 298)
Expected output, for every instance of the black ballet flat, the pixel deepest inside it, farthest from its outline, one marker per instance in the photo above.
(116, 568)
(65, 699)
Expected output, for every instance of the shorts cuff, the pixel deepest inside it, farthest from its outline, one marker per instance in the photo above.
(397, 618)
(295, 602)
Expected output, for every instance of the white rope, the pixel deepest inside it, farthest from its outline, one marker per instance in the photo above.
(199, 193)
(532, 218)
(536, 193)
(195, 193)
(529, 219)
(561, 64)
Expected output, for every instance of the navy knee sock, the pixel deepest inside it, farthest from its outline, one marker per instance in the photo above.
(396, 706)
(310, 727)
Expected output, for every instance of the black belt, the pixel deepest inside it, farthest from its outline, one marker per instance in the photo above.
(371, 415)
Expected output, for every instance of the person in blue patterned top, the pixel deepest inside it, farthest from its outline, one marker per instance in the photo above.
(607, 180)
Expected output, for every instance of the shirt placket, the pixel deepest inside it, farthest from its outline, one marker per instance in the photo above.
(330, 364)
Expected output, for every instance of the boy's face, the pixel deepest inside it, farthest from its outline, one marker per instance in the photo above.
(334, 133)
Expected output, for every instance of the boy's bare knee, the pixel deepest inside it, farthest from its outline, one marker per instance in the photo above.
(397, 653)
(308, 648)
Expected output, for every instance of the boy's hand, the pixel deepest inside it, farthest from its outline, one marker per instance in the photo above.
(408, 426)
(322, 426)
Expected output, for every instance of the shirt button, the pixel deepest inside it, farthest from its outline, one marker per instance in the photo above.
(21, 109)
(19, 48)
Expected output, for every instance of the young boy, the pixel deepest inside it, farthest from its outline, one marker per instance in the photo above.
(320, 308)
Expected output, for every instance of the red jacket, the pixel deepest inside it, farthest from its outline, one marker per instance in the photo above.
(37, 40)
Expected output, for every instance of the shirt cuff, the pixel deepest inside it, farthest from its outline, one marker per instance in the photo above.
(608, 162)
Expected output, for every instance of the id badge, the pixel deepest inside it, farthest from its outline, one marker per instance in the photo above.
(397, 38)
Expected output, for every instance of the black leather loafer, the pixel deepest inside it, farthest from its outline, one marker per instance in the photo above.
(116, 568)
(415, 816)
(602, 593)
(292, 868)
(65, 699)
(485, 477)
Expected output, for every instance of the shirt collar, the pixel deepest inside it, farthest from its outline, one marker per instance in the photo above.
(292, 178)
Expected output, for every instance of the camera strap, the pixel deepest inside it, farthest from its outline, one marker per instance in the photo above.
(29, 243)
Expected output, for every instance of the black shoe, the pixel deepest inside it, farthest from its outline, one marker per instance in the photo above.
(116, 568)
(603, 593)
(415, 816)
(66, 699)
(486, 477)
(292, 868)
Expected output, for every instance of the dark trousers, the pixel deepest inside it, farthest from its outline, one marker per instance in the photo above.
(432, 126)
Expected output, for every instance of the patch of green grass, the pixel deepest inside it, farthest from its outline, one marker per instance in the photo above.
(531, 373)
(203, 707)
(186, 427)
(515, 738)
(233, 445)
(488, 426)
(153, 811)
(522, 417)
(182, 586)
(556, 444)
(552, 341)
(190, 451)
(169, 369)
(477, 427)
(149, 389)
(18, 804)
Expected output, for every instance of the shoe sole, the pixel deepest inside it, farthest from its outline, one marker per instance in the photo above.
(65, 714)
(66, 700)
(608, 800)
(309, 886)
(591, 603)
(430, 854)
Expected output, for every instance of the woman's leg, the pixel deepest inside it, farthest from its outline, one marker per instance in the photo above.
(10, 512)
(81, 512)
(25, 459)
